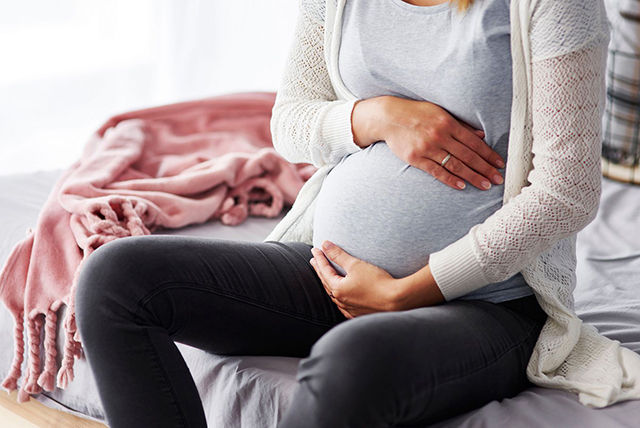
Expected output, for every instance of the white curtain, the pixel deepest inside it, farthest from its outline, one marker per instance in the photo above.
(68, 65)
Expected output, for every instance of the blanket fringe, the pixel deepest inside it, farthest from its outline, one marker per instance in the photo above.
(47, 377)
(23, 395)
(35, 380)
(133, 221)
(10, 383)
(72, 348)
(34, 329)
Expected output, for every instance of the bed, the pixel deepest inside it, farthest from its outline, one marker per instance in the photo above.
(254, 391)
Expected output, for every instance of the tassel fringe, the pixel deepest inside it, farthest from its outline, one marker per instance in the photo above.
(23, 395)
(34, 328)
(65, 374)
(10, 383)
(47, 377)
(38, 378)
(72, 348)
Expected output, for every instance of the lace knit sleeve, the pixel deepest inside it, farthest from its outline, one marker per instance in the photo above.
(564, 190)
(308, 123)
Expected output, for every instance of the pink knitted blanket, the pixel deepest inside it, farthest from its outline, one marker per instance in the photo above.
(164, 167)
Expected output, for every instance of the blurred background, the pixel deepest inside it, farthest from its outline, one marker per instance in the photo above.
(66, 66)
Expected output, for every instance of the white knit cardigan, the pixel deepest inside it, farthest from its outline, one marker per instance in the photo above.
(552, 179)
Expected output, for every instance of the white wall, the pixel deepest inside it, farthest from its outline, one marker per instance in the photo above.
(68, 65)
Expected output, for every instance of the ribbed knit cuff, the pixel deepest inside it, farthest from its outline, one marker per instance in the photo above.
(456, 270)
(337, 132)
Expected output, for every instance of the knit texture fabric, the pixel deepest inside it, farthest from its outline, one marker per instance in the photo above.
(552, 178)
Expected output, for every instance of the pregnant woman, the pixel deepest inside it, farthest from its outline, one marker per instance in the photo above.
(412, 278)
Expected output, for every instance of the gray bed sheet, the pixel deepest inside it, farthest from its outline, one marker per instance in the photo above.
(253, 391)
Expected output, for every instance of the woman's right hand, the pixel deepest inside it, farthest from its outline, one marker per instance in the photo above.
(422, 134)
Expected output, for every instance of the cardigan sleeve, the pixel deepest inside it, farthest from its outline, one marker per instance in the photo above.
(564, 190)
(308, 123)
(568, 48)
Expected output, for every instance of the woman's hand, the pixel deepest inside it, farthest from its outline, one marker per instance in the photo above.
(366, 288)
(422, 134)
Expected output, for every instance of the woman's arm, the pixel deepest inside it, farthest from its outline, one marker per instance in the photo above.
(568, 43)
(564, 193)
(308, 123)
(562, 198)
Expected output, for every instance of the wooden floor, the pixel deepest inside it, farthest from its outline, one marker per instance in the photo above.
(34, 414)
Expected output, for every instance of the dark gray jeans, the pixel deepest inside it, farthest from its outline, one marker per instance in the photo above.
(137, 295)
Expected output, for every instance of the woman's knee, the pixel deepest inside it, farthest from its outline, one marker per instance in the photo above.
(105, 281)
(354, 366)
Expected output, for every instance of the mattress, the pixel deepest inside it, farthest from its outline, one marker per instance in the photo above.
(254, 391)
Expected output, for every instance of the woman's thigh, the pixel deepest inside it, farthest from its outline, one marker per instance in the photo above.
(415, 367)
(136, 296)
(224, 296)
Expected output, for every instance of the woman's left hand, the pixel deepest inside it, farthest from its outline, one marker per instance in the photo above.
(365, 288)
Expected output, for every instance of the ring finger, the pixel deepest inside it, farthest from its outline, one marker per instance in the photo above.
(458, 168)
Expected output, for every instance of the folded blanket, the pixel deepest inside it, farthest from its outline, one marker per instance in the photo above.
(163, 167)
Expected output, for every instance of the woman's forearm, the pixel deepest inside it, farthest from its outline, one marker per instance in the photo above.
(418, 290)
(366, 121)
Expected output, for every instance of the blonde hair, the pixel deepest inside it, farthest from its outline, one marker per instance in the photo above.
(463, 4)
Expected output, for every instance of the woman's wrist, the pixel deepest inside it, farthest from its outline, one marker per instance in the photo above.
(367, 119)
(417, 290)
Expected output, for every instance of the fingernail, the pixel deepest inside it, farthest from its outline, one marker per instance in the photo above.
(500, 163)
(485, 184)
(460, 185)
(327, 245)
(312, 260)
(497, 179)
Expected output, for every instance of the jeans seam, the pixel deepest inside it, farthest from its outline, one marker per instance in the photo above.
(159, 288)
(166, 376)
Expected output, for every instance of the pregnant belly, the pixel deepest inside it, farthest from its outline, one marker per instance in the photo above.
(393, 215)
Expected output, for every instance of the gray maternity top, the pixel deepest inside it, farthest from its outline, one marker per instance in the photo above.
(373, 204)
